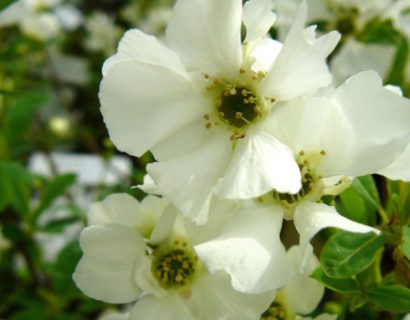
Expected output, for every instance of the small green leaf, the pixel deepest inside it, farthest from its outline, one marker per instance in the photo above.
(346, 253)
(366, 187)
(405, 246)
(391, 298)
(339, 285)
(52, 191)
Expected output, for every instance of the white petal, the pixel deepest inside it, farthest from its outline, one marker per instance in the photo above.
(116, 208)
(265, 54)
(260, 163)
(258, 18)
(307, 58)
(188, 181)
(311, 217)
(400, 168)
(213, 298)
(184, 141)
(138, 46)
(249, 249)
(207, 35)
(170, 307)
(143, 104)
(14, 13)
(164, 226)
(106, 270)
(380, 120)
(302, 294)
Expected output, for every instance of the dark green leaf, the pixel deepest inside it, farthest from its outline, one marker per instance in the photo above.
(346, 253)
(339, 285)
(5, 3)
(366, 187)
(53, 190)
(391, 298)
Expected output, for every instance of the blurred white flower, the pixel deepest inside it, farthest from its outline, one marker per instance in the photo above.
(185, 271)
(41, 19)
(201, 104)
(355, 57)
(103, 34)
(347, 16)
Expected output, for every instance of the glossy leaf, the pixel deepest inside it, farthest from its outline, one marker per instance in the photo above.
(391, 298)
(347, 254)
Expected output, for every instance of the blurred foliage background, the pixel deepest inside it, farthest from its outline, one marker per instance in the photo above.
(56, 157)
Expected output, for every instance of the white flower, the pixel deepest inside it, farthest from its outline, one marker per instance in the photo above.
(400, 168)
(26, 14)
(358, 129)
(103, 34)
(176, 269)
(301, 294)
(201, 102)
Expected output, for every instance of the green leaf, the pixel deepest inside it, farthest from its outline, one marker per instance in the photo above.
(15, 183)
(339, 285)
(6, 3)
(19, 116)
(352, 206)
(346, 253)
(52, 191)
(405, 246)
(391, 298)
(57, 225)
(366, 187)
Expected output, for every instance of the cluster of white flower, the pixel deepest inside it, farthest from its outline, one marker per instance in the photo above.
(246, 133)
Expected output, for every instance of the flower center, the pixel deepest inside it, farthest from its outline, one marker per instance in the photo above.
(238, 106)
(275, 312)
(174, 267)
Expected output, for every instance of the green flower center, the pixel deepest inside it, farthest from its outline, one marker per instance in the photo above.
(174, 268)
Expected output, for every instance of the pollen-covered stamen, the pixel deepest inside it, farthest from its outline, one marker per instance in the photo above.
(238, 106)
(175, 267)
(309, 180)
(275, 312)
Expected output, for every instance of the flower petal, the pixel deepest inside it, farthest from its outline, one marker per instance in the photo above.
(249, 249)
(213, 298)
(106, 270)
(138, 46)
(380, 119)
(260, 163)
(400, 168)
(307, 57)
(311, 217)
(118, 208)
(187, 140)
(169, 307)
(258, 18)
(302, 294)
(188, 181)
(207, 35)
(143, 104)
